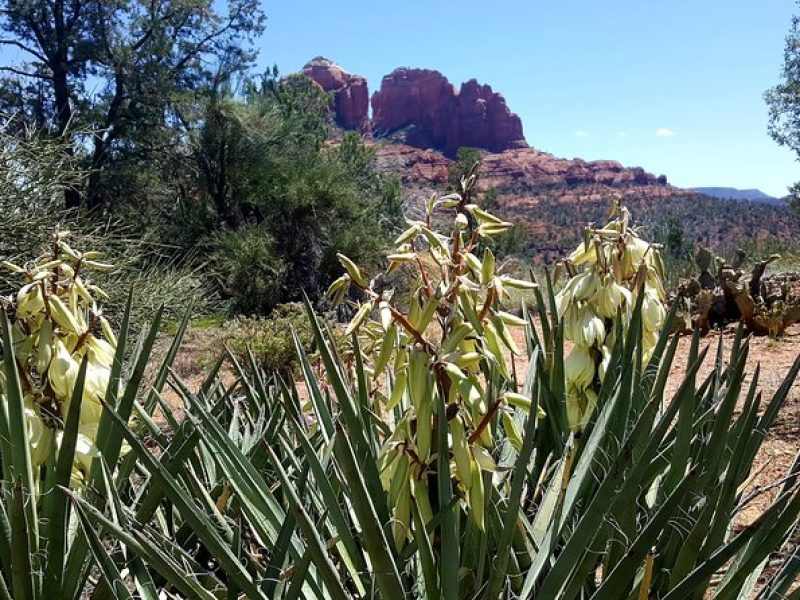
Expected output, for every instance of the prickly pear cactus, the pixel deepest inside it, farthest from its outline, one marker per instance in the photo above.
(444, 359)
(766, 305)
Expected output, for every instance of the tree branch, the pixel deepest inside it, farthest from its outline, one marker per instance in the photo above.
(155, 19)
(200, 46)
(75, 10)
(22, 46)
(24, 73)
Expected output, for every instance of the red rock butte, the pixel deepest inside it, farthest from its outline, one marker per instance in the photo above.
(421, 108)
(350, 92)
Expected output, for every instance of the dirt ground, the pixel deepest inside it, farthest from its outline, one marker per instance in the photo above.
(783, 440)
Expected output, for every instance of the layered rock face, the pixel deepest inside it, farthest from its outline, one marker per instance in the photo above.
(350, 92)
(425, 106)
(526, 169)
(420, 107)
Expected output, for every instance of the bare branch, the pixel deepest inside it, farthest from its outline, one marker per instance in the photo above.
(22, 46)
(24, 73)
(199, 47)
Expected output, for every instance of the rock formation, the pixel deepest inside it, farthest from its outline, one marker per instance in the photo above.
(425, 107)
(350, 92)
(421, 108)
(420, 121)
(526, 168)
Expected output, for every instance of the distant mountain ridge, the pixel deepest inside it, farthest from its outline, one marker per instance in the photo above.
(729, 193)
(419, 120)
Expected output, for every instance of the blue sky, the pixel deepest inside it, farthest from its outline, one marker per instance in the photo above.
(589, 79)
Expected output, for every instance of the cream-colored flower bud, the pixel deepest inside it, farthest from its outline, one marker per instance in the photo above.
(589, 330)
(583, 255)
(29, 300)
(610, 297)
(563, 300)
(637, 248)
(579, 368)
(85, 452)
(602, 368)
(100, 351)
(62, 372)
(40, 436)
(44, 348)
(62, 315)
(586, 285)
(580, 407)
(653, 313)
(649, 341)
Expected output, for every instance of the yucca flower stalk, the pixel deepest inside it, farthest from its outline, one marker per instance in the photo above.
(596, 303)
(56, 325)
(440, 363)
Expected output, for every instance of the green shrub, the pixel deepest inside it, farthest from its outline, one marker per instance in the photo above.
(248, 271)
(270, 339)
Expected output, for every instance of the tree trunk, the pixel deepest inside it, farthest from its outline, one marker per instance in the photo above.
(102, 141)
(72, 195)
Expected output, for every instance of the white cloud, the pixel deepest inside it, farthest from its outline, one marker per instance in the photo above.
(665, 132)
(581, 133)
(622, 135)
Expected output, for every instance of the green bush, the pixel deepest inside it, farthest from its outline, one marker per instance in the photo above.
(269, 339)
(247, 270)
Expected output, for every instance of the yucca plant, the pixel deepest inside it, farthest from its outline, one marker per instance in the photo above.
(254, 498)
(62, 361)
(272, 489)
(301, 500)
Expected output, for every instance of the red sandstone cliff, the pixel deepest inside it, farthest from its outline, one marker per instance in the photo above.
(420, 120)
(522, 168)
(350, 92)
(434, 115)
(421, 108)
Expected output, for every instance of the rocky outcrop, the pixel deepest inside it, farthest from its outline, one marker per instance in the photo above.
(350, 92)
(554, 198)
(526, 169)
(422, 108)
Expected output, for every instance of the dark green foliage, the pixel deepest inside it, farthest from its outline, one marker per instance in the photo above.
(513, 243)
(677, 249)
(262, 166)
(124, 71)
(553, 234)
(34, 173)
(157, 123)
(466, 160)
(248, 269)
(266, 165)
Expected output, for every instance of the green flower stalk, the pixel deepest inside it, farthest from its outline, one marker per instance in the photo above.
(450, 344)
(55, 321)
(617, 265)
